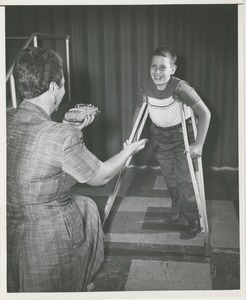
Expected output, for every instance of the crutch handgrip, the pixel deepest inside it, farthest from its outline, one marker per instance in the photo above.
(136, 124)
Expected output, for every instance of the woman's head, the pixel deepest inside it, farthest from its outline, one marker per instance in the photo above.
(163, 65)
(35, 68)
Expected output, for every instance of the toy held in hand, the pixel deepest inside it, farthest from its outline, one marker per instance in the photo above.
(80, 112)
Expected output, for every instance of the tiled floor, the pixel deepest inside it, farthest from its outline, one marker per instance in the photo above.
(144, 251)
(172, 275)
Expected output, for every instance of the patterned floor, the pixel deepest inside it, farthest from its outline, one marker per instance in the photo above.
(145, 252)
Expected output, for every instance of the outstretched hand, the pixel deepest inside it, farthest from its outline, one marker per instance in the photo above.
(135, 147)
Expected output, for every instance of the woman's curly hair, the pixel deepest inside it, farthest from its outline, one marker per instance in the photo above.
(34, 69)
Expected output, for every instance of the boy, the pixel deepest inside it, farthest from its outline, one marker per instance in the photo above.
(163, 93)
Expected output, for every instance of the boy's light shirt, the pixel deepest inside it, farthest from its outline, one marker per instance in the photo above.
(165, 112)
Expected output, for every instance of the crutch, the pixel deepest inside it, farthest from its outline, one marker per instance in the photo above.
(136, 131)
(196, 173)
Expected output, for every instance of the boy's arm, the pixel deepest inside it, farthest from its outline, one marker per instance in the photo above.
(203, 114)
(186, 94)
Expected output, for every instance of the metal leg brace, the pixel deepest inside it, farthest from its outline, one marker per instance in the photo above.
(196, 172)
(136, 132)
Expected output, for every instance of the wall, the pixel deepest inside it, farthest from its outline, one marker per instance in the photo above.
(111, 49)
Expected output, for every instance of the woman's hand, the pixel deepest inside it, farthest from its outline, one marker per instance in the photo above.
(113, 165)
(87, 121)
(134, 147)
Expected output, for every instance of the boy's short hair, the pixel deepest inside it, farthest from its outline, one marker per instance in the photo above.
(35, 68)
(166, 52)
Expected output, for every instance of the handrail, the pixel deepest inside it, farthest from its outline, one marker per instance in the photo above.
(28, 42)
(44, 35)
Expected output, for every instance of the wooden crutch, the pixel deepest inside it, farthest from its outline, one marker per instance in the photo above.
(196, 177)
(136, 131)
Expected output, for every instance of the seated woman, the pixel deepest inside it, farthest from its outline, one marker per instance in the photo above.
(55, 243)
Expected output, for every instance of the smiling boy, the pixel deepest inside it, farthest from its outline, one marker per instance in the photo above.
(163, 93)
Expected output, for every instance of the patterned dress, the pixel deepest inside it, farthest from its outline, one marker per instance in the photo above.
(54, 242)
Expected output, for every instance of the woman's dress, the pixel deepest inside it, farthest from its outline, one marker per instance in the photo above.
(54, 242)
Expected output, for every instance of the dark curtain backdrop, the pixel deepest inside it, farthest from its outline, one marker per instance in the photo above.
(110, 52)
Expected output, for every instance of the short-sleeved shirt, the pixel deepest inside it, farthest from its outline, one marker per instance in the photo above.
(42, 154)
(164, 105)
(54, 242)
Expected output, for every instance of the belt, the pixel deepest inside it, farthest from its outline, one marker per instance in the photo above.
(174, 126)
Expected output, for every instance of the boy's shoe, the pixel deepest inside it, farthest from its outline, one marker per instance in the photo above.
(175, 217)
(194, 227)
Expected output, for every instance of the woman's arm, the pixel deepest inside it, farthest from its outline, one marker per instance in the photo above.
(203, 114)
(114, 164)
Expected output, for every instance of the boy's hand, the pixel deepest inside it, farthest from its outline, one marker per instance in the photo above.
(195, 151)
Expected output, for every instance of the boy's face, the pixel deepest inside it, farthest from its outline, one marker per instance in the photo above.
(161, 70)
